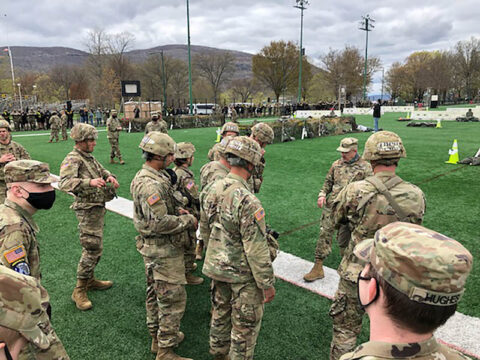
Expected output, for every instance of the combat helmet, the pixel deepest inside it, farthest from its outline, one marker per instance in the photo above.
(4, 124)
(384, 145)
(263, 133)
(83, 132)
(158, 143)
(230, 126)
(222, 145)
(245, 148)
(185, 150)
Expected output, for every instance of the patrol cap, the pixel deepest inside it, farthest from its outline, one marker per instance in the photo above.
(113, 111)
(22, 310)
(348, 144)
(82, 132)
(4, 124)
(423, 264)
(230, 126)
(245, 148)
(384, 145)
(185, 150)
(263, 133)
(28, 171)
(158, 143)
(154, 113)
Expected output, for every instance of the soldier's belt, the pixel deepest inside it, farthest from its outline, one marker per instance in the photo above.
(155, 240)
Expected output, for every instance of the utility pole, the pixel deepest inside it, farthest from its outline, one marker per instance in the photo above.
(300, 5)
(366, 25)
(383, 80)
(189, 61)
(164, 81)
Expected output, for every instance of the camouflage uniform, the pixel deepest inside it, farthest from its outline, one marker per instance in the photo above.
(211, 172)
(367, 210)
(17, 119)
(160, 242)
(16, 150)
(156, 124)
(113, 134)
(238, 262)
(425, 266)
(263, 133)
(227, 127)
(24, 309)
(63, 124)
(55, 124)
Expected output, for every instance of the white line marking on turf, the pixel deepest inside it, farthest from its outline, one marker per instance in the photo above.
(45, 134)
(461, 331)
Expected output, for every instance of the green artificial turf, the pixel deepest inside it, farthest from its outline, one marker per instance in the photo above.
(296, 325)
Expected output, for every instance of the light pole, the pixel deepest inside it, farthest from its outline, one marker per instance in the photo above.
(366, 25)
(20, 94)
(34, 86)
(189, 61)
(300, 5)
(383, 80)
(164, 81)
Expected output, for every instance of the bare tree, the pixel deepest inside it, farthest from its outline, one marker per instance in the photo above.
(118, 45)
(467, 59)
(243, 89)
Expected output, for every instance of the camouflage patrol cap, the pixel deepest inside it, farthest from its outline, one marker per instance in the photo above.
(230, 126)
(154, 113)
(22, 309)
(384, 145)
(425, 265)
(245, 148)
(262, 132)
(28, 171)
(4, 124)
(348, 144)
(158, 143)
(113, 111)
(83, 132)
(185, 150)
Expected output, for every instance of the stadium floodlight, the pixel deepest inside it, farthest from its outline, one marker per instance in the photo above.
(301, 4)
(366, 25)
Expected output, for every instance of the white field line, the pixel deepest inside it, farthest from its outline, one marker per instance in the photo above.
(45, 134)
(461, 332)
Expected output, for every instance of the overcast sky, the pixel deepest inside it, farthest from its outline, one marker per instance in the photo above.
(401, 26)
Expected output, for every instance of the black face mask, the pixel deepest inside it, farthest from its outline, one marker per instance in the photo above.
(366, 278)
(7, 352)
(41, 200)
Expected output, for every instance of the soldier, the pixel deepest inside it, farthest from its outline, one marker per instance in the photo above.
(25, 326)
(17, 119)
(157, 123)
(31, 119)
(238, 257)
(9, 151)
(160, 225)
(189, 190)
(349, 168)
(228, 129)
(411, 285)
(263, 135)
(368, 205)
(92, 185)
(55, 124)
(29, 190)
(469, 114)
(113, 133)
(63, 124)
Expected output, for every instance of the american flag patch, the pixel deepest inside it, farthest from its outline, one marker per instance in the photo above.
(153, 199)
(15, 254)
(259, 214)
(190, 185)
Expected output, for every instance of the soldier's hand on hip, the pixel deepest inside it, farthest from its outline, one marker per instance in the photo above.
(321, 201)
(99, 182)
(114, 181)
(268, 294)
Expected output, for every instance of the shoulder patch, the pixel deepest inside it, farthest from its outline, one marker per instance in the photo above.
(152, 199)
(21, 268)
(259, 214)
(190, 185)
(15, 254)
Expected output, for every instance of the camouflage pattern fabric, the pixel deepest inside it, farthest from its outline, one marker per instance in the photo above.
(55, 125)
(63, 125)
(237, 312)
(18, 243)
(159, 125)
(113, 135)
(426, 350)
(83, 132)
(115, 149)
(28, 171)
(211, 172)
(161, 244)
(24, 309)
(339, 175)
(255, 181)
(213, 152)
(16, 150)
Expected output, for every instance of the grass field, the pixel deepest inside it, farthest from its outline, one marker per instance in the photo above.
(296, 324)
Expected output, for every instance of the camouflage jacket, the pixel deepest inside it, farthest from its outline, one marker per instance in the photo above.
(342, 173)
(16, 150)
(54, 122)
(113, 125)
(155, 216)
(213, 152)
(76, 171)
(211, 172)
(18, 242)
(425, 350)
(64, 119)
(366, 211)
(159, 125)
(238, 251)
(187, 187)
(255, 181)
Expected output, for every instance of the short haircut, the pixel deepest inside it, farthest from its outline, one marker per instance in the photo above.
(234, 160)
(180, 162)
(148, 156)
(385, 162)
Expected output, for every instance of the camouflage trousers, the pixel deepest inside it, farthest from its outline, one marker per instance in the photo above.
(64, 132)
(115, 151)
(165, 305)
(189, 250)
(90, 226)
(346, 314)
(53, 134)
(3, 191)
(237, 311)
(327, 230)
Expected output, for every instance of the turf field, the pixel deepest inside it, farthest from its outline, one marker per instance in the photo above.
(296, 324)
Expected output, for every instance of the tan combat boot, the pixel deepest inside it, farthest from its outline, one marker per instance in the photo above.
(112, 161)
(316, 272)
(121, 161)
(199, 250)
(95, 284)
(169, 354)
(193, 279)
(154, 347)
(79, 295)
